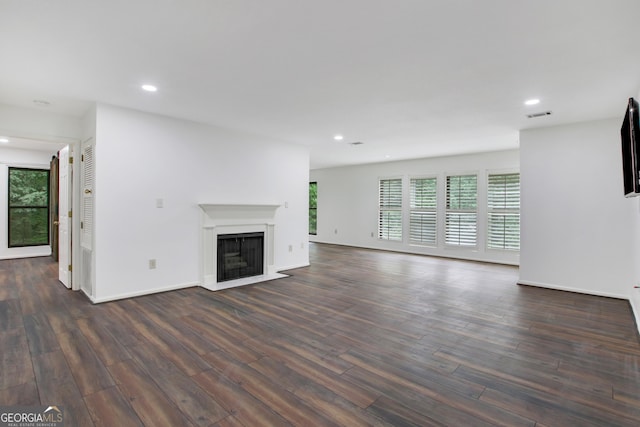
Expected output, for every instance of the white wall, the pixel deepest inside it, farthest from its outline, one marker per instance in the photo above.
(18, 158)
(348, 202)
(37, 124)
(634, 296)
(579, 232)
(144, 157)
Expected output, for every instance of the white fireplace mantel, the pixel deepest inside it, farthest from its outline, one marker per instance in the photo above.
(230, 214)
(219, 219)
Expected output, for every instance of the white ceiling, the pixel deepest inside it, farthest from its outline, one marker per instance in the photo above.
(408, 78)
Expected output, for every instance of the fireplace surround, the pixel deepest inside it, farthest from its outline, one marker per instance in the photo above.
(235, 219)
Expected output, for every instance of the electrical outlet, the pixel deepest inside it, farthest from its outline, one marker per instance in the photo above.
(159, 203)
(152, 264)
(290, 248)
(335, 231)
(372, 234)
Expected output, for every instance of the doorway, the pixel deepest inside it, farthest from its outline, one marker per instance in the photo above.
(61, 213)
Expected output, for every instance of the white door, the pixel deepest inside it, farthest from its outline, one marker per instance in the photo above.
(87, 180)
(64, 208)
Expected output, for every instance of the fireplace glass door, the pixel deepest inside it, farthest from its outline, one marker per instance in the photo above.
(240, 255)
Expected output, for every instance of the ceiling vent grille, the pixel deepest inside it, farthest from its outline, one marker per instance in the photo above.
(543, 114)
(356, 143)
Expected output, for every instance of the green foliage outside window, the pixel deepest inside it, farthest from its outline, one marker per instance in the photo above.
(313, 208)
(390, 209)
(462, 192)
(461, 216)
(28, 207)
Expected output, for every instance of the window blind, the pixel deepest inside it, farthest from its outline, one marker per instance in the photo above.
(422, 215)
(503, 199)
(390, 209)
(461, 210)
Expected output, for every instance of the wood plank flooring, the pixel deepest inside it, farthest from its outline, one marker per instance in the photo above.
(359, 338)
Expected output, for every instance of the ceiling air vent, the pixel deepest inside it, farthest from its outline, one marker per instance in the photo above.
(545, 113)
(356, 143)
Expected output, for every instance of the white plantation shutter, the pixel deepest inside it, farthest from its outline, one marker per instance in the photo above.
(88, 180)
(390, 209)
(503, 199)
(461, 217)
(422, 217)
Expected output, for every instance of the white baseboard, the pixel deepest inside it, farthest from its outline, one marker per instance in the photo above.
(176, 287)
(142, 293)
(448, 253)
(634, 299)
(88, 296)
(32, 255)
(292, 267)
(570, 289)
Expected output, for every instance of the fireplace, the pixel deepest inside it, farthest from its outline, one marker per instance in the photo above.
(226, 260)
(240, 255)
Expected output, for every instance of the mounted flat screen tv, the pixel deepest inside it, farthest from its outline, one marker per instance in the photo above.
(630, 135)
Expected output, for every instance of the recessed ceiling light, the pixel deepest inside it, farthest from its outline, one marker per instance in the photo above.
(338, 137)
(532, 102)
(4, 140)
(149, 88)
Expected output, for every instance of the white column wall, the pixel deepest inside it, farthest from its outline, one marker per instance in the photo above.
(141, 158)
(579, 232)
(635, 293)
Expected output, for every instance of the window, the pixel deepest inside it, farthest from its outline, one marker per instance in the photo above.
(503, 198)
(390, 212)
(461, 212)
(28, 207)
(313, 208)
(422, 217)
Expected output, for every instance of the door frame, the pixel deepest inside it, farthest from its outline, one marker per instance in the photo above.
(65, 215)
(74, 224)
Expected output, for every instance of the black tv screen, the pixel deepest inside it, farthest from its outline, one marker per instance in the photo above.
(630, 136)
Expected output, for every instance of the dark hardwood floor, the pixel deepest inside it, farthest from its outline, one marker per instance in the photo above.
(359, 338)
